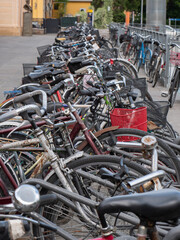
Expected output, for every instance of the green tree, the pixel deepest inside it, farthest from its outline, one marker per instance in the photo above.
(118, 10)
(100, 18)
(132, 5)
(173, 7)
(108, 5)
(83, 16)
(97, 4)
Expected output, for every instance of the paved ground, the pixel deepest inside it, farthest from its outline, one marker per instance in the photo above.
(17, 50)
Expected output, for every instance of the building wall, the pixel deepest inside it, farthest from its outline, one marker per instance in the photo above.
(38, 9)
(73, 7)
(11, 17)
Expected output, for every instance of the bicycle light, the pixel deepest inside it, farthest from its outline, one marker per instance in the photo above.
(26, 198)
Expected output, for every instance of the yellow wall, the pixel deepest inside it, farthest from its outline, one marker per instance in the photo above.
(38, 9)
(11, 17)
(74, 7)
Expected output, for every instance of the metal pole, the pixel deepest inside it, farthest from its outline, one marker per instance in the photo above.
(141, 13)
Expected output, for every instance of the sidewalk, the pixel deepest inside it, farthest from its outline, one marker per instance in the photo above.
(17, 50)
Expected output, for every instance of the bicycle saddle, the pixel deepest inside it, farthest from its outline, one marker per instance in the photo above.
(88, 92)
(56, 64)
(159, 205)
(40, 74)
(76, 60)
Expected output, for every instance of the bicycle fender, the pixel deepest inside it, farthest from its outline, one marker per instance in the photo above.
(97, 134)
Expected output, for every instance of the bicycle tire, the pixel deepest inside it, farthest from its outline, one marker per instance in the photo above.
(122, 49)
(174, 88)
(91, 165)
(110, 138)
(153, 63)
(147, 62)
(156, 74)
(128, 66)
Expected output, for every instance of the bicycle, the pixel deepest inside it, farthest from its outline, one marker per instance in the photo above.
(147, 207)
(175, 80)
(86, 169)
(157, 63)
(143, 53)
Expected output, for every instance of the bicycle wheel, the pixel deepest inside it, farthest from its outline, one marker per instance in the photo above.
(152, 65)
(147, 62)
(123, 49)
(108, 141)
(174, 88)
(128, 67)
(156, 73)
(86, 176)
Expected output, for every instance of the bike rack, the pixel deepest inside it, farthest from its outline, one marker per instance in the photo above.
(158, 35)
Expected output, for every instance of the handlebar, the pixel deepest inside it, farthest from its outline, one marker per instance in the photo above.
(174, 45)
(14, 113)
(25, 96)
(143, 37)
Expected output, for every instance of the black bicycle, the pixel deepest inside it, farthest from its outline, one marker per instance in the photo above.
(175, 80)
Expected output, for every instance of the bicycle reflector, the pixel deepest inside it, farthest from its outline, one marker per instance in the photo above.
(111, 61)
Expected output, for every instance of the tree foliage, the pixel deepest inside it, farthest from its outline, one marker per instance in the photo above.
(103, 15)
(100, 18)
(83, 16)
(108, 4)
(132, 5)
(173, 9)
(118, 10)
(97, 4)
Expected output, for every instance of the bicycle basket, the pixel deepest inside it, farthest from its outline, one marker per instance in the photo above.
(28, 67)
(139, 83)
(156, 111)
(42, 49)
(129, 118)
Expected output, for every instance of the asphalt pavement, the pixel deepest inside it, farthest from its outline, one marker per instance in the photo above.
(14, 51)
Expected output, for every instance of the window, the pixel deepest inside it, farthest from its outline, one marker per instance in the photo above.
(56, 6)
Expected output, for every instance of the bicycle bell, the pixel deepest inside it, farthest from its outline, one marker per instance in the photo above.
(26, 198)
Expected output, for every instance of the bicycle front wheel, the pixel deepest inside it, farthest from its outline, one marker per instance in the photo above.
(87, 178)
(174, 89)
(168, 160)
(147, 62)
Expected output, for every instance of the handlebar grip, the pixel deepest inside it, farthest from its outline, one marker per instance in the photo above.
(96, 85)
(59, 78)
(8, 115)
(48, 199)
(91, 83)
(55, 88)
